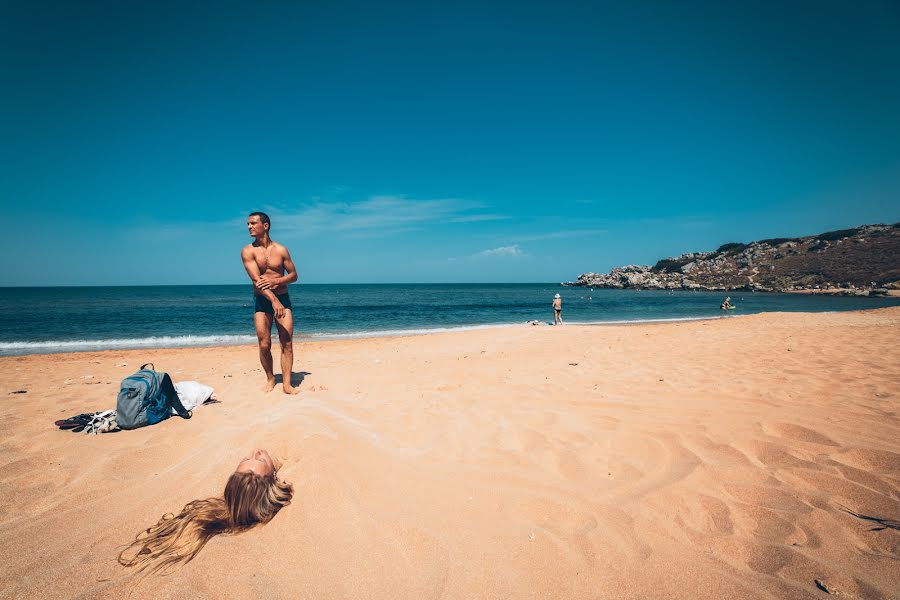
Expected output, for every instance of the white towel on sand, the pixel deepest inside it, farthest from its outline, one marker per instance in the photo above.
(192, 394)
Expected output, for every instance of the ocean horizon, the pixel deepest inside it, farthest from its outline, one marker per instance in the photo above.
(46, 320)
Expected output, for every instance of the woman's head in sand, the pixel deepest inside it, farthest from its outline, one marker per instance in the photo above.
(253, 495)
(259, 462)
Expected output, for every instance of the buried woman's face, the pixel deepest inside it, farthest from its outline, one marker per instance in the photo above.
(259, 462)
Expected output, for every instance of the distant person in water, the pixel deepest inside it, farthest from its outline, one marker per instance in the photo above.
(253, 495)
(271, 269)
(726, 304)
(557, 310)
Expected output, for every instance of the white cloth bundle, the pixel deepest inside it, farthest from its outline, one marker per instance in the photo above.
(102, 422)
(192, 394)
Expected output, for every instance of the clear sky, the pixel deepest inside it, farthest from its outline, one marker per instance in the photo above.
(418, 142)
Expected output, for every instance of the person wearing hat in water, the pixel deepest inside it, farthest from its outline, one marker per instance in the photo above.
(557, 310)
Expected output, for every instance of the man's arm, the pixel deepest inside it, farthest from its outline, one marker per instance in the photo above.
(290, 273)
(253, 272)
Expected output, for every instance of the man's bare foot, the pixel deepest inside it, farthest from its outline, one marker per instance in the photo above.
(269, 386)
(290, 390)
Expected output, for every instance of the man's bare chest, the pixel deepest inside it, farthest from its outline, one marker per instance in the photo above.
(268, 260)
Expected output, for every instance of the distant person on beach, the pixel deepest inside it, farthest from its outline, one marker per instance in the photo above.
(253, 495)
(557, 310)
(271, 269)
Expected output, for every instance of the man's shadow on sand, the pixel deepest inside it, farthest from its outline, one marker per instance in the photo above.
(296, 378)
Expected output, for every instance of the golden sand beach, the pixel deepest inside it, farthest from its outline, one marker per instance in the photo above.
(708, 459)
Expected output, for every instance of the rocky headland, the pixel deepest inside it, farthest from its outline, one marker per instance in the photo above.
(860, 261)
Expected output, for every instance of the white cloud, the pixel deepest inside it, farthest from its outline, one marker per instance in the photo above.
(513, 250)
(476, 218)
(381, 214)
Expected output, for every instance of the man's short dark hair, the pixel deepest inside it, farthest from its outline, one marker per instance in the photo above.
(262, 217)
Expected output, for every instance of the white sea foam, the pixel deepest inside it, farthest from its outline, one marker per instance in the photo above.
(186, 341)
(54, 346)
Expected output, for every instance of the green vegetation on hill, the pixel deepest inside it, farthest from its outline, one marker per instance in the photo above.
(830, 236)
(730, 248)
(778, 241)
(670, 265)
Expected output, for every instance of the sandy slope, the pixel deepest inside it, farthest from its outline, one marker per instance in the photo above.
(691, 460)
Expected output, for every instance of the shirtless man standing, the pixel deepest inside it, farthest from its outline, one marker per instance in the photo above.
(271, 269)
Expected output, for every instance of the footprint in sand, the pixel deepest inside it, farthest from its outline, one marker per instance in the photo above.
(768, 559)
(703, 514)
(575, 527)
(775, 456)
(768, 497)
(766, 525)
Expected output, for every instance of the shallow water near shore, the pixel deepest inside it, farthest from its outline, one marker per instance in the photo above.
(49, 320)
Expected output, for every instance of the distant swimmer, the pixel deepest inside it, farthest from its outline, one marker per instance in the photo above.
(557, 310)
(726, 305)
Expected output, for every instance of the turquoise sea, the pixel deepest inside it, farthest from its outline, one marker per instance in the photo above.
(67, 319)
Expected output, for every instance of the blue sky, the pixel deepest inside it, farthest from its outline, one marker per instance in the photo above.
(414, 142)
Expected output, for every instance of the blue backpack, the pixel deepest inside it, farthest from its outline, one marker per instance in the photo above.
(146, 398)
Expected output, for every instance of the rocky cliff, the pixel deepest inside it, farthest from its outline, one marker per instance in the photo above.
(863, 260)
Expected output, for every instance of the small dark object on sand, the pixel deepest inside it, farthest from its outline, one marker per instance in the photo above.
(821, 585)
(574, 364)
(19, 392)
(76, 423)
(885, 523)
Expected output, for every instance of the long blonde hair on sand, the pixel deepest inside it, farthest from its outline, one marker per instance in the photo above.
(249, 499)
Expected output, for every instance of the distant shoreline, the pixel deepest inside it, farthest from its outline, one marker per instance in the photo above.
(54, 321)
(842, 292)
(77, 347)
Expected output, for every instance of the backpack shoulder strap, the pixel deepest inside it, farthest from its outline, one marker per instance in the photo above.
(168, 389)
